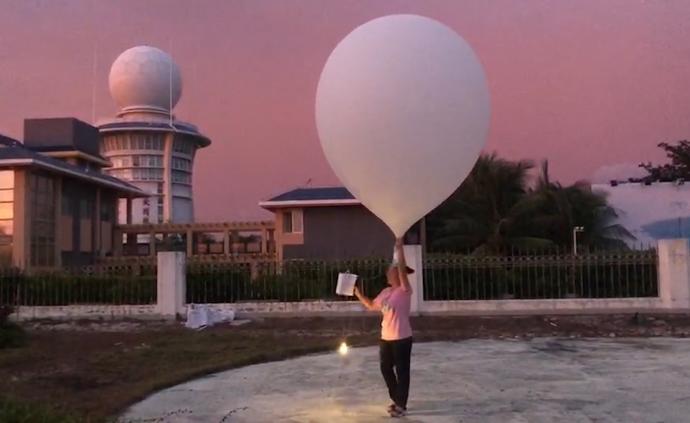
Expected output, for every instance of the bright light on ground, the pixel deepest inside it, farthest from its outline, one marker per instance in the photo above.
(342, 350)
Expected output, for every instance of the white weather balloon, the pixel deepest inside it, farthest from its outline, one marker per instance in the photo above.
(402, 111)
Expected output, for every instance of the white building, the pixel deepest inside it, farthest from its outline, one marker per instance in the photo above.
(145, 144)
(651, 211)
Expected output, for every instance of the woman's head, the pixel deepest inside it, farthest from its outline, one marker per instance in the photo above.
(393, 275)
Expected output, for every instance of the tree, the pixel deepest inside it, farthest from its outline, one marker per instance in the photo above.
(494, 211)
(560, 209)
(679, 168)
(488, 213)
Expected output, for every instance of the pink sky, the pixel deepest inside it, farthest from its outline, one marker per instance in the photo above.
(586, 84)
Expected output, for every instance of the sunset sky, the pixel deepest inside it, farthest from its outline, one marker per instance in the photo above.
(590, 85)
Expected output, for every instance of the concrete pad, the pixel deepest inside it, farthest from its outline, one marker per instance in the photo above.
(543, 380)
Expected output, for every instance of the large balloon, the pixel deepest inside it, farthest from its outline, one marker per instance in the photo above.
(402, 111)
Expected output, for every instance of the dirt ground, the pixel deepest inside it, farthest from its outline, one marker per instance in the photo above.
(95, 369)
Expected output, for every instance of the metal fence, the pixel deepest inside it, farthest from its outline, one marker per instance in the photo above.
(605, 274)
(273, 281)
(121, 285)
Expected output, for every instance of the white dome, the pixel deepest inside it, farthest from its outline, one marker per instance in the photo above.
(143, 77)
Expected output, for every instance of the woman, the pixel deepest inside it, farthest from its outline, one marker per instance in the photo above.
(396, 333)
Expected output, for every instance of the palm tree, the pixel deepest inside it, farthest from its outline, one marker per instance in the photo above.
(494, 212)
(560, 209)
(489, 213)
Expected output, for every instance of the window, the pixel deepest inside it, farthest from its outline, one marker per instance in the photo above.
(122, 161)
(181, 177)
(42, 197)
(181, 164)
(86, 208)
(6, 209)
(106, 211)
(183, 146)
(292, 221)
(146, 174)
(287, 222)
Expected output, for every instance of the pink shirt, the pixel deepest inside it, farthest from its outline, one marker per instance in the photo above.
(395, 307)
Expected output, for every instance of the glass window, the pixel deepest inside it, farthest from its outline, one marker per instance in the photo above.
(6, 195)
(287, 222)
(86, 208)
(293, 221)
(181, 177)
(66, 204)
(6, 210)
(297, 221)
(180, 164)
(7, 227)
(42, 197)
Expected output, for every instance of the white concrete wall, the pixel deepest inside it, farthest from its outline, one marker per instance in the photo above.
(674, 273)
(413, 258)
(582, 305)
(298, 308)
(172, 284)
(674, 296)
(85, 312)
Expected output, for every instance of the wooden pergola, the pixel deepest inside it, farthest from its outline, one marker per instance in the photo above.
(127, 234)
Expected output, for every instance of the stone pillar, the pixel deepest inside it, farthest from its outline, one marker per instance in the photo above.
(413, 258)
(674, 273)
(172, 284)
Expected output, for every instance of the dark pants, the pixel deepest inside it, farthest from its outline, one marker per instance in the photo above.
(395, 368)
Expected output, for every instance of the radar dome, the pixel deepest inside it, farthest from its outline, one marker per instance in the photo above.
(145, 78)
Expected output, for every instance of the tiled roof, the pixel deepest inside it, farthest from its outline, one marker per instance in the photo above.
(312, 197)
(315, 194)
(13, 152)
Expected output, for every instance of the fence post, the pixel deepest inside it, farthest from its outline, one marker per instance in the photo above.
(674, 273)
(171, 283)
(413, 257)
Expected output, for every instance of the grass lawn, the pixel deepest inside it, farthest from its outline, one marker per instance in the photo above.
(90, 371)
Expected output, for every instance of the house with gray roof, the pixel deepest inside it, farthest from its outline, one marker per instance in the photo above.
(330, 223)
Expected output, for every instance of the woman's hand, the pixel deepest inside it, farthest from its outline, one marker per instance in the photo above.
(398, 242)
(402, 265)
(366, 302)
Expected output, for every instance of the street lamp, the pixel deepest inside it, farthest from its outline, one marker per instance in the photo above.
(576, 229)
